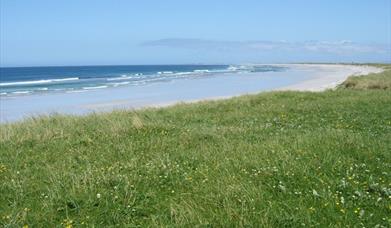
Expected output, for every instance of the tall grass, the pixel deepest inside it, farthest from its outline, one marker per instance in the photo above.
(278, 159)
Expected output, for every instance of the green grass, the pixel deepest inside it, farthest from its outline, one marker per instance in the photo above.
(372, 81)
(278, 159)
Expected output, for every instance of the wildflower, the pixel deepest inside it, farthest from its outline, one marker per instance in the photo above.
(98, 196)
(358, 193)
(68, 223)
(3, 168)
(282, 187)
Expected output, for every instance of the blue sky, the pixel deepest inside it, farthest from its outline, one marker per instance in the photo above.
(94, 32)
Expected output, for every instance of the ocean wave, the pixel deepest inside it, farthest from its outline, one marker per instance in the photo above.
(125, 77)
(165, 72)
(201, 71)
(21, 92)
(65, 79)
(185, 73)
(164, 75)
(119, 84)
(95, 87)
(119, 78)
(256, 68)
(232, 68)
(44, 81)
(131, 79)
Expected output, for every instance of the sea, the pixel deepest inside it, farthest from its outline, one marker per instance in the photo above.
(22, 81)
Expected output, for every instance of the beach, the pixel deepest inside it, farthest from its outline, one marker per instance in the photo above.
(328, 76)
(301, 77)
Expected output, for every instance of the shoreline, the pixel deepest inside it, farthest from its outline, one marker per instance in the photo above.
(331, 81)
(299, 77)
(312, 85)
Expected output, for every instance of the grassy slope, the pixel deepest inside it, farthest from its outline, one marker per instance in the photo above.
(373, 81)
(273, 159)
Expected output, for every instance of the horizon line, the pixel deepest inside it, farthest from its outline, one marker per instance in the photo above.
(204, 64)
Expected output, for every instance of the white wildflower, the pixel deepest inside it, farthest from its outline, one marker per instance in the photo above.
(362, 212)
(282, 187)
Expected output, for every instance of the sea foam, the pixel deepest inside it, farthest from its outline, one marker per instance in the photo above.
(44, 81)
(95, 87)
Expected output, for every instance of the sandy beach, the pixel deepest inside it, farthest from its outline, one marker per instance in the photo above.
(300, 77)
(329, 76)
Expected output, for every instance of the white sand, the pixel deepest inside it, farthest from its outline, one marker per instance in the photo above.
(329, 76)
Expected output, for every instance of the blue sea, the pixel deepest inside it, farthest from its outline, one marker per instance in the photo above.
(17, 81)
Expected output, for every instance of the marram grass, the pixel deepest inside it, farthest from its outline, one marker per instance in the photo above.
(279, 159)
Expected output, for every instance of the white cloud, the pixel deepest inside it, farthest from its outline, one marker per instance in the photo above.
(343, 47)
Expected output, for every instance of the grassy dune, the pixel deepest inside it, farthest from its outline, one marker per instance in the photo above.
(373, 81)
(278, 159)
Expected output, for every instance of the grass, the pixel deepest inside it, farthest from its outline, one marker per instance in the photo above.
(278, 159)
(372, 81)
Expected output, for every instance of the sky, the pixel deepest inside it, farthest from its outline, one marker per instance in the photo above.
(121, 32)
